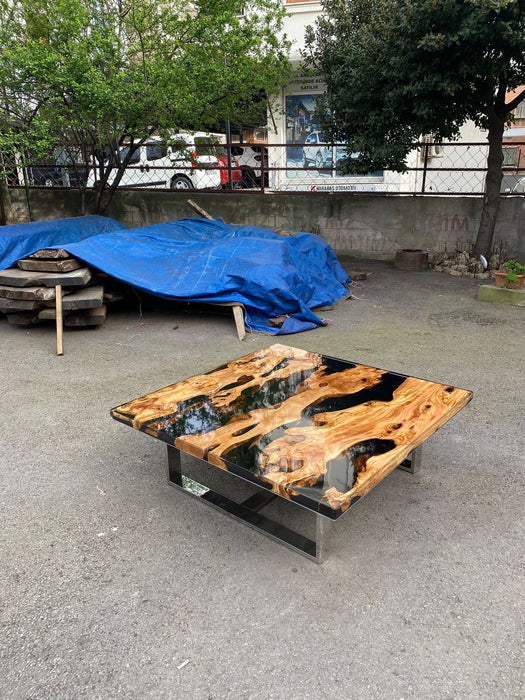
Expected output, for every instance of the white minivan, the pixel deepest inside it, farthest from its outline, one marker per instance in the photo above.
(194, 164)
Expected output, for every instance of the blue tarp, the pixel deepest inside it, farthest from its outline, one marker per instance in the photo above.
(20, 240)
(209, 261)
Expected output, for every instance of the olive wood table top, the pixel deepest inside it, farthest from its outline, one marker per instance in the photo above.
(314, 429)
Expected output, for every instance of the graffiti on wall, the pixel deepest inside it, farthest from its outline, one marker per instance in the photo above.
(456, 223)
(348, 234)
(459, 232)
(444, 232)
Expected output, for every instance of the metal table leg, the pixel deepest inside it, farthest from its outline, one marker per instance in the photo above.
(412, 463)
(324, 528)
(248, 512)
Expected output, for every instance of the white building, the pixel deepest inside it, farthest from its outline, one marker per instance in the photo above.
(292, 121)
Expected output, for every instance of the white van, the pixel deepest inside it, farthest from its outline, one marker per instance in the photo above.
(197, 165)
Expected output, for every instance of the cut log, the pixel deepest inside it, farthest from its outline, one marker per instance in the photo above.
(86, 317)
(35, 293)
(37, 265)
(87, 298)
(89, 317)
(7, 305)
(50, 254)
(48, 314)
(23, 318)
(16, 277)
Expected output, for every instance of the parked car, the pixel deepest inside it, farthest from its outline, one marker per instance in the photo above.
(517, 188)
(56, 169)
(215, 149)
(253, 161)
(318, 151)
(191, 161)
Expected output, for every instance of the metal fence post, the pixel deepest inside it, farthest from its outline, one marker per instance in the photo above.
(425, 164)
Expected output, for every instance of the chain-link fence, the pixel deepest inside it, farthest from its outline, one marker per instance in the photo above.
(312, 166)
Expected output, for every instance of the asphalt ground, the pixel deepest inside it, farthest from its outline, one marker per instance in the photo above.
(115, 585)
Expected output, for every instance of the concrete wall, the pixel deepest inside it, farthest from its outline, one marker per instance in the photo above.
(369, 226)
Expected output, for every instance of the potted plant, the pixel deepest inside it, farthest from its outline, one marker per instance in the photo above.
(512, 276)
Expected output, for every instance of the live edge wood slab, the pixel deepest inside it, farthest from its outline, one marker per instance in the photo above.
(317, 430)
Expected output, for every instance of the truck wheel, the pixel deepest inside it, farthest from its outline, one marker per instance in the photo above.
(181, 182)
(249, 178)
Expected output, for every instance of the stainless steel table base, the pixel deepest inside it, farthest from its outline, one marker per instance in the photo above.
(412, 463)
(248, 512)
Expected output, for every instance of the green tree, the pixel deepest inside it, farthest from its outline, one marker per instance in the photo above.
(7, 215)
(397, 69)
(97, 74)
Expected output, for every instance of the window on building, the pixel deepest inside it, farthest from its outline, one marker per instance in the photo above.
(510, 154)
(519, 112)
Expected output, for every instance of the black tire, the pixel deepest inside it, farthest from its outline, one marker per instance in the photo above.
(248, 178)
(181, 182)
(304, 159)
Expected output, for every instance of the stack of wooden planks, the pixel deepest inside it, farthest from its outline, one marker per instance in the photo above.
(28, 292)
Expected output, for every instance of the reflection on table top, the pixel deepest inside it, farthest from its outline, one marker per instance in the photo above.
(316, 429)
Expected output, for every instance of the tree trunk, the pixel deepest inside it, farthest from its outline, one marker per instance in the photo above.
(103, 200)
(491, 198)
(7, 213)
(105, 192)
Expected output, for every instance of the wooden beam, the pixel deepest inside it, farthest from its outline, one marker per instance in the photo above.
(59, 321)
(199, 210)
(238, 315)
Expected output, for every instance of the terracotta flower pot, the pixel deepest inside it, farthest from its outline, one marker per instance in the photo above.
(501, 280)
(517, 285)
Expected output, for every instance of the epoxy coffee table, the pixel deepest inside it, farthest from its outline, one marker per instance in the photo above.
(317, 431)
